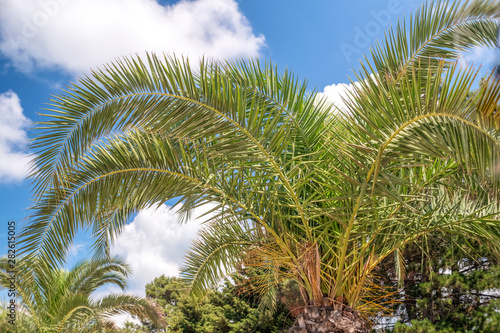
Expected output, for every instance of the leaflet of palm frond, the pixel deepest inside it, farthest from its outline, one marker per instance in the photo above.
(488, 103)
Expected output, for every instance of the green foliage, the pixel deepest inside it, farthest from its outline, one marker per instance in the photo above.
(487, 320)
(134, 328)
(451, 285)
(423, 326)
(227, 309)
(61, 301)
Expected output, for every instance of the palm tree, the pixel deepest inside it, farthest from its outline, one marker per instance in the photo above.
(300, 188)
(49, 300)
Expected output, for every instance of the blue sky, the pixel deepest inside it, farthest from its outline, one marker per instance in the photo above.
(45, 44)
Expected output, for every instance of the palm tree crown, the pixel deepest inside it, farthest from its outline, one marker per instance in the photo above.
(62, 301)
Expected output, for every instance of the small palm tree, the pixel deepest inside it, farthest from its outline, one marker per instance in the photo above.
(49, 300)
(301, 189)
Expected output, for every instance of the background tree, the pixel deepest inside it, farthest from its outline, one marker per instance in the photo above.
(449, 286)
(129, 327)
(227, 309)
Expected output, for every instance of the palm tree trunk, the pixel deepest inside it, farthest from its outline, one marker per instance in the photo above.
(327, 319)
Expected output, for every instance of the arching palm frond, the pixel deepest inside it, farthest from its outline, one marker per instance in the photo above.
(438, 31)
(165, 132)
(389, 126)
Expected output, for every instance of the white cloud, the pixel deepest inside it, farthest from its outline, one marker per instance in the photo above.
(123, 318)
(335, 92)
(154, 243)
(76, 35)
(14, 163)
(481, 56)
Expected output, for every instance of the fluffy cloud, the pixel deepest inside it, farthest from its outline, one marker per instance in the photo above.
(14, 163)
(76, 35)
(154, 243)
(481, 56)
(335, 93)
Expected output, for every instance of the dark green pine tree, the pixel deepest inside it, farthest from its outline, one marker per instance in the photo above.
(447, 291)
(229, 309)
